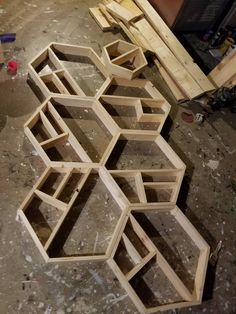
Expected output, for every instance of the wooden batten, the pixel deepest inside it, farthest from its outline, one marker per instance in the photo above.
(101, 20)
(175, 90)
(174, 45)
(120, 12)
(224, 72)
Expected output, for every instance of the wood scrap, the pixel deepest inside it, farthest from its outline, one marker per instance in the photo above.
(129, 34)
(132, 7)
(180, 75)
(179, 96)
(175, 46)
(100, 19)
(108, 16)
(144, 27)
(225, 72)
(120, 12)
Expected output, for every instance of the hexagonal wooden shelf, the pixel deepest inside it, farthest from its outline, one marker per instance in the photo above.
(145, 256)
(124, 59)
(105, 157)
(64, 208)
(55, 72)
(65, 131)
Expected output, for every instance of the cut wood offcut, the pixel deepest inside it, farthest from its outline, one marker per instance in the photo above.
(108, 170)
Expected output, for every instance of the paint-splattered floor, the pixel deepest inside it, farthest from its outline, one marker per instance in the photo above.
(27, 284)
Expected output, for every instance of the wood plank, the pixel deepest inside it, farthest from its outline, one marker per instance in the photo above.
(37, 146)
(62, 184)
(177, 93)
(225, 70)
(130, 248)
(172, 276)
(129, 55)
(65, 212)
(142, 41)
(100, 19)
(130, 35)
(33, 234)
(132, 7)
(120, 12)
(126, 285)
(37, 185)
(114, 189)
(82, 258)
(51, 200)
(72, 139)
(139, 266)
(162, 29)
(178, 73)
(140, 188)
(48, 124)
(171, 306)
(174, 45)
(108, 16)
(54, 140)
(60, 86)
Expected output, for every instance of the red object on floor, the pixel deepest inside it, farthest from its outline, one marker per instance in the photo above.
(12, 66)
(187, 117)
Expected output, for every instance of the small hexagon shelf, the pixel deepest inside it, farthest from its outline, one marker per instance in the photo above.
(124, 59)
(110, 188)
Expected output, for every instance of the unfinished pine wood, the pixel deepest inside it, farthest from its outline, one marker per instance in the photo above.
(108, 16)
(175, 46)
(120, 12)
(225, 70)
(190, 80)
(131, 113)
(52, 77)
(42, 190)
(142, 87)
(179, 96)
(124, 59)
(139, 186)
(164, 185)
(132, 7)
(177, 71)
(188, 298)
(101, 20)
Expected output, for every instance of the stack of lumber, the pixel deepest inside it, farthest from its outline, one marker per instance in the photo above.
(144, 27)
(224, 74)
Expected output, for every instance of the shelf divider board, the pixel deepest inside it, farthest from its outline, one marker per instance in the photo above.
(127, 286)
(63, 216)
(48, 124)
(51, 200)
(72, 139)
(63, 183)
(130, 248)
(139, 266)
(140, 188)
(54, 140)
(70, 79)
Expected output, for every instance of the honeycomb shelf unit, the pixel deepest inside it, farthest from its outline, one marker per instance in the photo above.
(111, 182)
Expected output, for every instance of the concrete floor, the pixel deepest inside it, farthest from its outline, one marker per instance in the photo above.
(27, 284)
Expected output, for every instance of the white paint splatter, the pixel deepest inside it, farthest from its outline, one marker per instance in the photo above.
(28, 258)
(213, 164)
